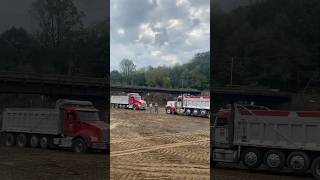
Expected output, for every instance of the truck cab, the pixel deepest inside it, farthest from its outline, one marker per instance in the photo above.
(136, 101)
(82, 124)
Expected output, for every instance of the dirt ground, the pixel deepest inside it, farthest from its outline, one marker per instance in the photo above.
(42, 164)
(158, 146)
(229, 172)
(162, 146)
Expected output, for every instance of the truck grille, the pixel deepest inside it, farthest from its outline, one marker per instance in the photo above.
(104, 135)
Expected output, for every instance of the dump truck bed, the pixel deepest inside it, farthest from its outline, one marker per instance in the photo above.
(278, 129)
(30, 120)
(197, 103)
(119, 100)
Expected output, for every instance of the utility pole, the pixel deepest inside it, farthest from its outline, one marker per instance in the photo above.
(182, 83)
(231, 72)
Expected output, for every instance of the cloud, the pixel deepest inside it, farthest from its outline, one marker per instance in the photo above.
(158, 32)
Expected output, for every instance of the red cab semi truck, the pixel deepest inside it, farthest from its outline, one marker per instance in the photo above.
(71, 124)
(190, 105)
(130, 101)
(260, 137)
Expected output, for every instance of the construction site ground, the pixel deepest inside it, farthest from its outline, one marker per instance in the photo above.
(44, 164)
(147, 145)
(162, 146)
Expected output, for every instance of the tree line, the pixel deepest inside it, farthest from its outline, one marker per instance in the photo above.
(60, 45)
(194, 74)
(268, 44)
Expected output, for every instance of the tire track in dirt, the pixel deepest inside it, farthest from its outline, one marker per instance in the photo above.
(151, 148)
(171, 171)
(171, 135)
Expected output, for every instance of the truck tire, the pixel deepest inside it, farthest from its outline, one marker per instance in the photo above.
(10, 139)
(315, 168)
(251, 158)
(34, 141)
(188, 112)
(274, 159)
(203, 113)
(298, 162)
(168, 110)
(44, 142)
(135, 107)
(22, 140)
(79, 146)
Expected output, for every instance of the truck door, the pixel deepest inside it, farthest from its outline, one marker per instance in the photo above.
(70, 123)
(131, 100)
(179, 103)
(223, 132)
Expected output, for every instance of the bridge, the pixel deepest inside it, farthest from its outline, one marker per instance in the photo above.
(99, 88)
(145, 90)
(270, 98)
(13, 82)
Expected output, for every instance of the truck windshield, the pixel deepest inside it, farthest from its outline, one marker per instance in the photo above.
(137, 97)
(88, 116)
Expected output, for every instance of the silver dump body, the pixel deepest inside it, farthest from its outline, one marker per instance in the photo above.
(277, 129)
(196, 103)
(29, 120)
(119, 99)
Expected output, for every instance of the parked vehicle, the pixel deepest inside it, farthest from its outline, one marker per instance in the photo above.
(130, 101)
(190, 105)
(256, 135)
(71, 124)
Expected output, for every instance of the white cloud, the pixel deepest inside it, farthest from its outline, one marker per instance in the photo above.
(173, 23)
(172, 59)
(121, 32)
(158, 32)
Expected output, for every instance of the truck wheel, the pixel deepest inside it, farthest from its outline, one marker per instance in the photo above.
(315, 168)
(298, 162)
(168, 110)
(274, 159)
(203, 113)
(188, 112)
(44, 142)
(135, 107)
(22, 140)
(34, 141)
(251, 158)
(79, 146)
(9, 139)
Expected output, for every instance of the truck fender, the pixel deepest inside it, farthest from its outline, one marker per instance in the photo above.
(84, 137)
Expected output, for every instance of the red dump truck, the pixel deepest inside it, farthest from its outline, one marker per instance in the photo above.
(129, 101)
(189, 105)
(71, 124)
(260, 137)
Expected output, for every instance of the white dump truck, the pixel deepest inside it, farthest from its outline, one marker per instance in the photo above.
(130, 101)
(190, 105)
(277, 140)
(71, 124)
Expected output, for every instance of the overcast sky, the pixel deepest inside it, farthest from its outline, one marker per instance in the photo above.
(158, 32)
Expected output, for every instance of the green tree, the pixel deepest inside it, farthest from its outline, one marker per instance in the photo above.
(57, 20)
(128, 68)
